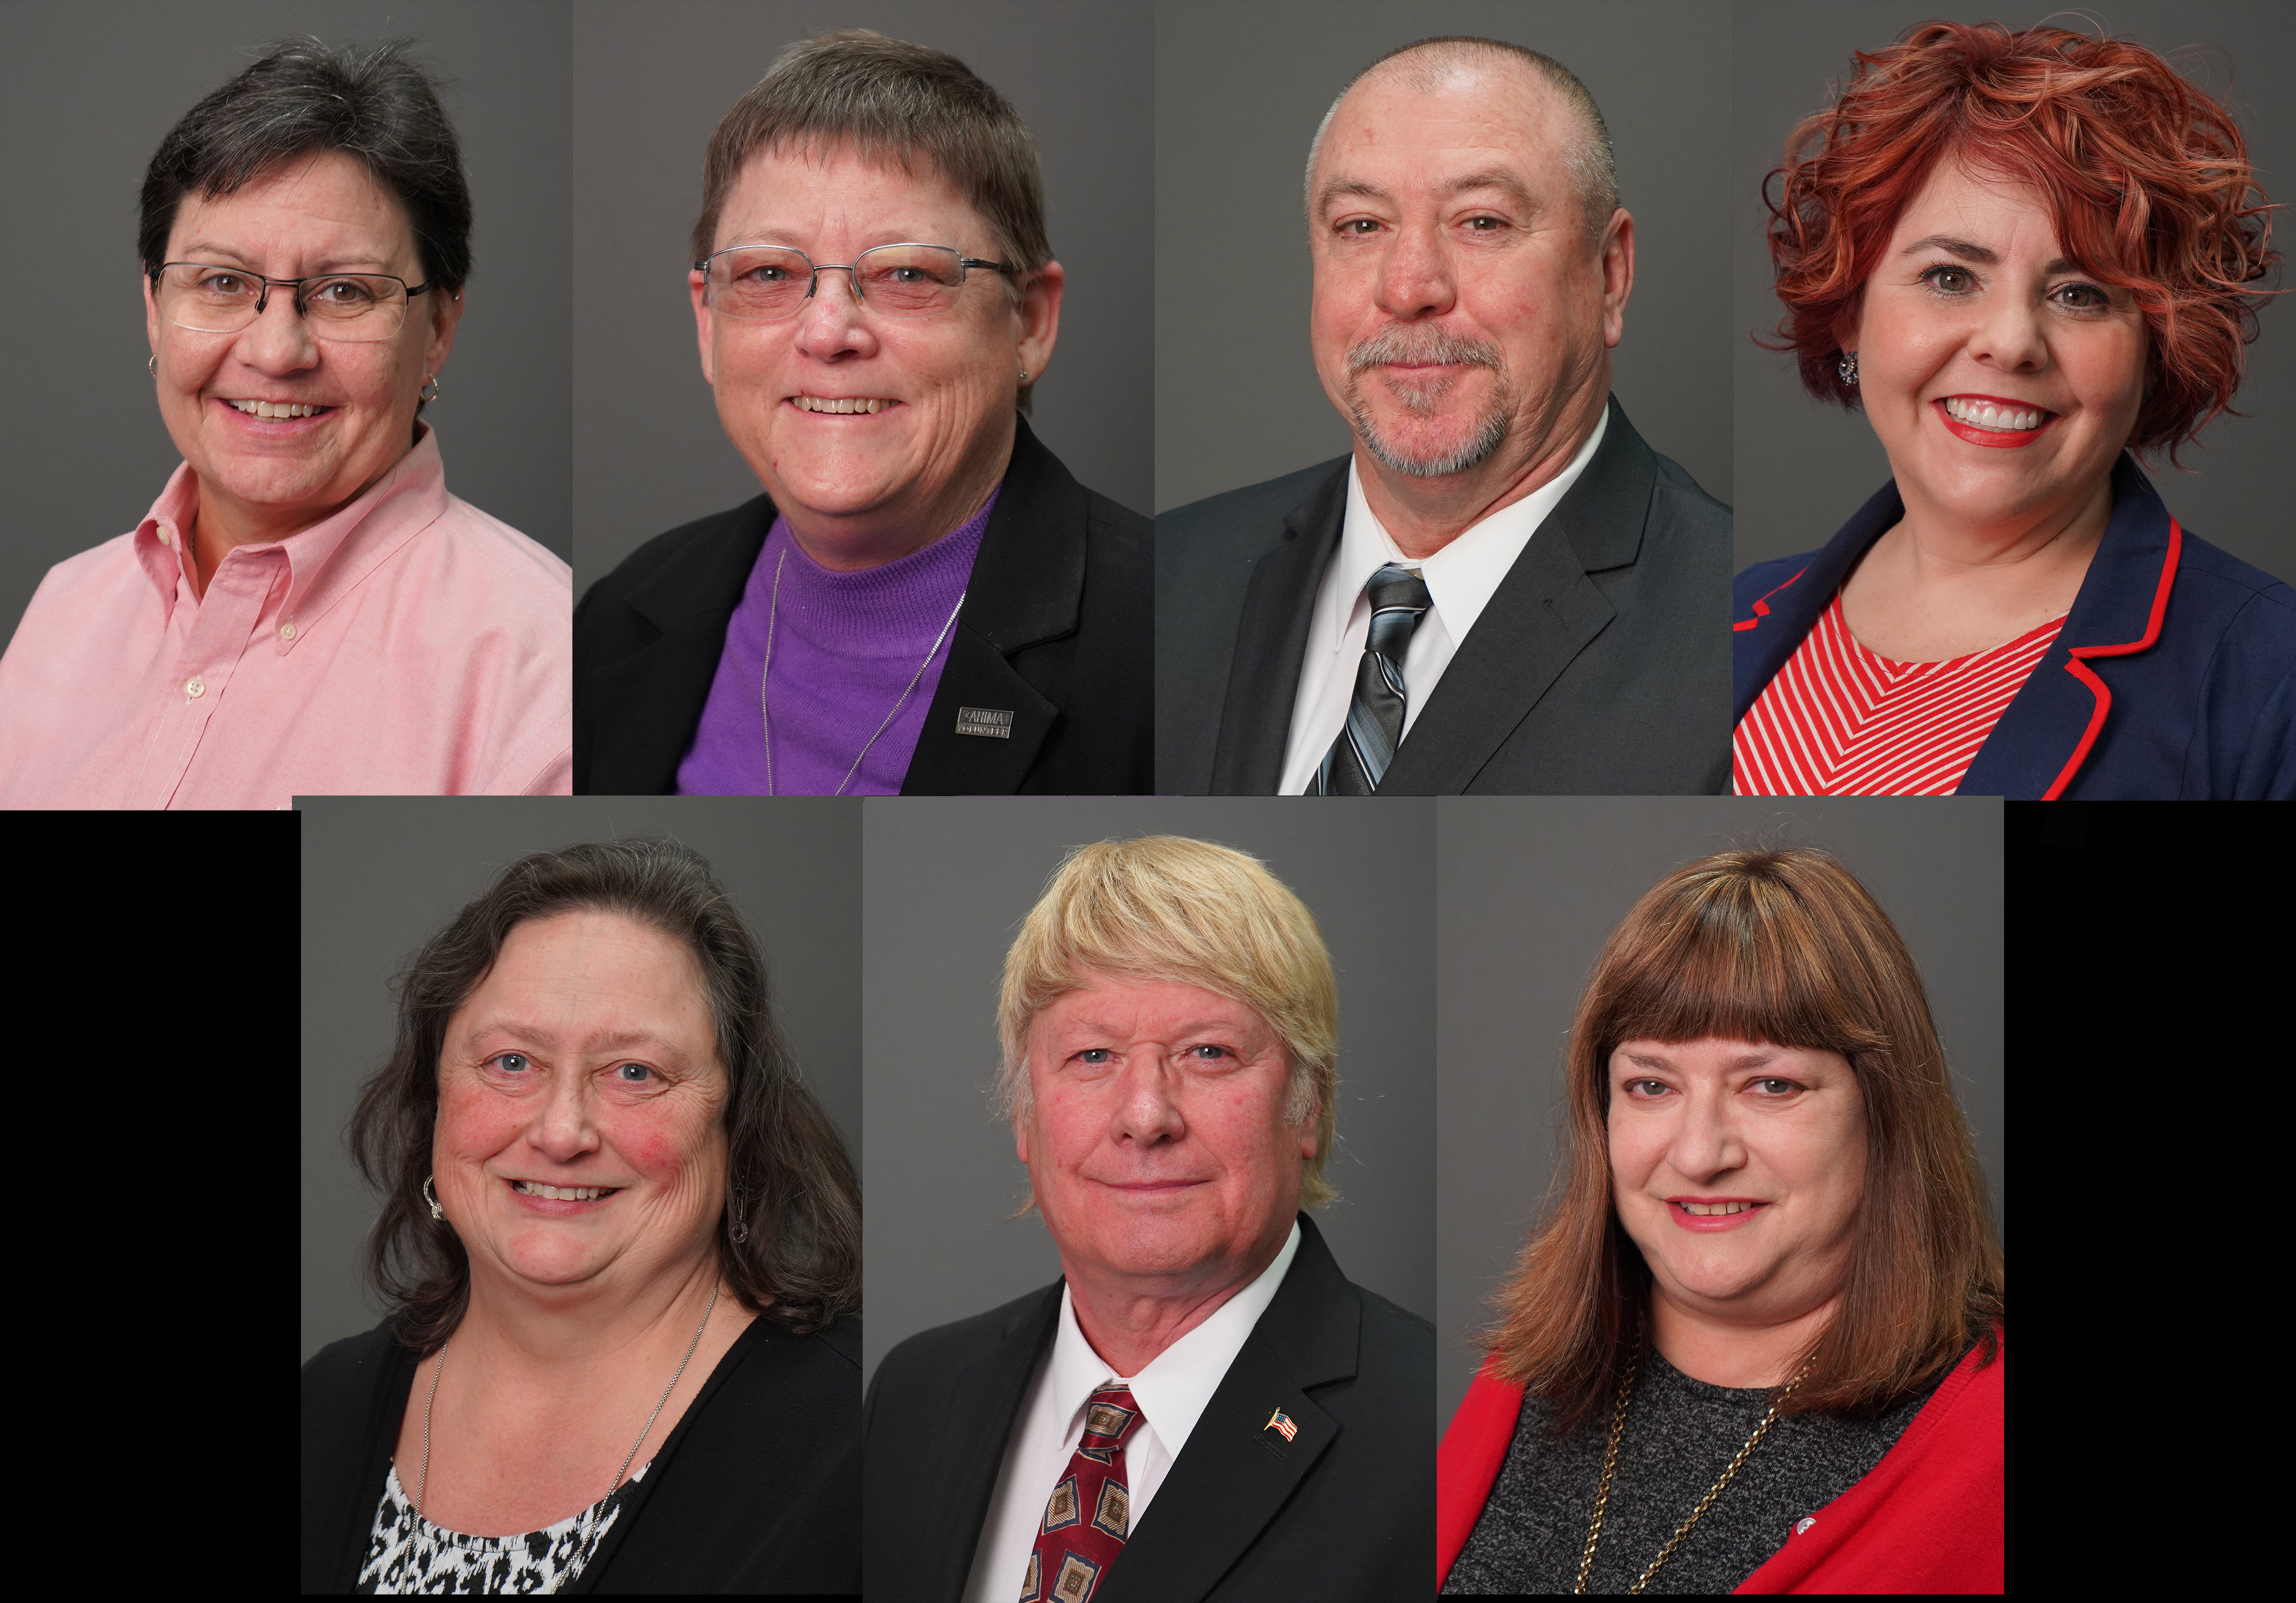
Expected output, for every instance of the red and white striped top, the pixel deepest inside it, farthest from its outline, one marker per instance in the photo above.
(1839, 720)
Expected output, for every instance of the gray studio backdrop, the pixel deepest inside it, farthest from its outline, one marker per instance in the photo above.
(947, 885)
(1240, 90)
(1530, 887)
(650, 82)
(1804, 466)
(87, 94)
(381, 873)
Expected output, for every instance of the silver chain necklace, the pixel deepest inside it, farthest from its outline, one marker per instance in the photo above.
(765, 702)
(424, 1483)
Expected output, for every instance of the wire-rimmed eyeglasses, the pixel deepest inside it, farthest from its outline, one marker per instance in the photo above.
(211, 299)
(765, 283)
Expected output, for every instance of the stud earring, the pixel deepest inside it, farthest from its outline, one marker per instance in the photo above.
(1848, 369)
(430, 390)
(1024, 375)
(431, 1197)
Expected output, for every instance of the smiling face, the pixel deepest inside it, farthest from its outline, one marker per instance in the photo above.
(2001, 380)
(915, 467)
(268, 477)
(1155, 1137)
(1697, 1127)
(586, 1061)
(1462, 316)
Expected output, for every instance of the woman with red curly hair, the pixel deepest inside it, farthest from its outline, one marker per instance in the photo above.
(2028, 257)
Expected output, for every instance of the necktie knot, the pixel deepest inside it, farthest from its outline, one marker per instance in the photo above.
(1365, 745)
(1089, 1513)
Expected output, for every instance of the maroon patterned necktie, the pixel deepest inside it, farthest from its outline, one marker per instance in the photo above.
(1089, 1514)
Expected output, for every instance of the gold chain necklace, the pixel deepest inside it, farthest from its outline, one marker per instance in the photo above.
(1610, 1464)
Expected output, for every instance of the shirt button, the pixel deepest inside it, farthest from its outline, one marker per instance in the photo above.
(287, 630)
(195, 687)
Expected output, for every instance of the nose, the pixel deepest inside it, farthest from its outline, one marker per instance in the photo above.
(279, 340)
(1145, 1112)
(563, 1129)
(1415, 278)
(2009, 335)
(830, 324)
(1707, 1142)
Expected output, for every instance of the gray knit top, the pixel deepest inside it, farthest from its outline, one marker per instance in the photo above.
(1681, 1434)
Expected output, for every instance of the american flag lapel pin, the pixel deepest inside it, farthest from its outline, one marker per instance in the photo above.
(1280, 1423)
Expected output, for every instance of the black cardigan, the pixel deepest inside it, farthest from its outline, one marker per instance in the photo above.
(1057, 632)
(757, 1490)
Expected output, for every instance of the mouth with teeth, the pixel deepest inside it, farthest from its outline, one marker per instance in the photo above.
(842, 405)
(276, 411)
(1990, 420)
(1726, 1213)
(562, 1194)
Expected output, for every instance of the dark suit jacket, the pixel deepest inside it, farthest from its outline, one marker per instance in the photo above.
(756, 1490)
(1055, 630)
(2173, 677)
(1344, 1510)
(1598, 668)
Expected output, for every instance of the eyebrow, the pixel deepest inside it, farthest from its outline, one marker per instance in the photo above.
(613, 1040)
(341, 264)
(1489, 178)
(1980, 254)
(1742, 1060)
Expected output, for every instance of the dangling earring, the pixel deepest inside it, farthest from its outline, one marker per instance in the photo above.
(741, 1231)
(1848, 369)
(431, 1197)
(153, 366)
(430, 390)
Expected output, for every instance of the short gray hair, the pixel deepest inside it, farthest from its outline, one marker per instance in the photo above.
(1437, 62)
(301, 98)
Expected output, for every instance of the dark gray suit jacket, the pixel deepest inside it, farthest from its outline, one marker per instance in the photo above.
(1343, 1511)
(1601, 667)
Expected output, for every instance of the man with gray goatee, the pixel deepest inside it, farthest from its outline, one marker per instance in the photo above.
(1502, 588)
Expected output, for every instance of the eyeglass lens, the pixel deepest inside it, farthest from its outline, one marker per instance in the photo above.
(899, 281)
(221, 300)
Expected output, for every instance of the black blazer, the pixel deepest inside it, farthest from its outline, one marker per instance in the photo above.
(1346, 1509)
(1601, 666)
(1055, 630)
(757, 1490)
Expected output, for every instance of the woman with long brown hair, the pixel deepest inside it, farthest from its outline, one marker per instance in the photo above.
(1756, 1343)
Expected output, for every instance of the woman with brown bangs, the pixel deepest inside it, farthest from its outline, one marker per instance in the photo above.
(2029, 258)
(1756, 1345)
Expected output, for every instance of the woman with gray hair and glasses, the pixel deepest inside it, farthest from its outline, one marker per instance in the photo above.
(304, 610)
(923, 601)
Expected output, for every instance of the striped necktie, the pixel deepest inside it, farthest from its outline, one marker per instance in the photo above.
(1359, 756)
(1089, 1514)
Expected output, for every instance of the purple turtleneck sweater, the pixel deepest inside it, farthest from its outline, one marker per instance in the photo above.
(845, 646)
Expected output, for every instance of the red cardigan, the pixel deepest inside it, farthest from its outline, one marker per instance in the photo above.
(1928, 1518)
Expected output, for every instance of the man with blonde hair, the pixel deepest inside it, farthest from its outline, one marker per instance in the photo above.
(1169, 1030)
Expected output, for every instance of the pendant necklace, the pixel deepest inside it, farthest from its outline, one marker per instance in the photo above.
(765, 700)
(422, 1484)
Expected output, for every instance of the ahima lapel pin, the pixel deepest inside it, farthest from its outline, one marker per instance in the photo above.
(1280, 1423)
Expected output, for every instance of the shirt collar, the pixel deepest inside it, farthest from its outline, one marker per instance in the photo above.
(1177, 1385)
(1464, 576)
(325, 560)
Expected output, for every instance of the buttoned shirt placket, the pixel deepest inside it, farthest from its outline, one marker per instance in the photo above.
(217, 630)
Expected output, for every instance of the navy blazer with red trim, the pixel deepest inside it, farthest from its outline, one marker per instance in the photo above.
(2173, 677)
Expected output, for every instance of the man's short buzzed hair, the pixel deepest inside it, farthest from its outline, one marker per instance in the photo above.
(1435, 63)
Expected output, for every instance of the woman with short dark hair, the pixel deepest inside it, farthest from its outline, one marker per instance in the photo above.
(1755, 1343)
(923, 601)
(2029, 259)
(304, 610)
(621, 1243)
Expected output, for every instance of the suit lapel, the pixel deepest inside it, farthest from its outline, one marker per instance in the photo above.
(1543, 614)
(1235, 1475)
(2047, 723)
(1762, 643)
(954, 1487)
(652, 698)
(1271, 637)
(1027, 587)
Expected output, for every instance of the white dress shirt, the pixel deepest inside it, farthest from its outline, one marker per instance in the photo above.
(1461, 580)
(1172, 1392)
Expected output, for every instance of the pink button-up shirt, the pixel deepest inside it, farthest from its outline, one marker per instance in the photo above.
(408, 645)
